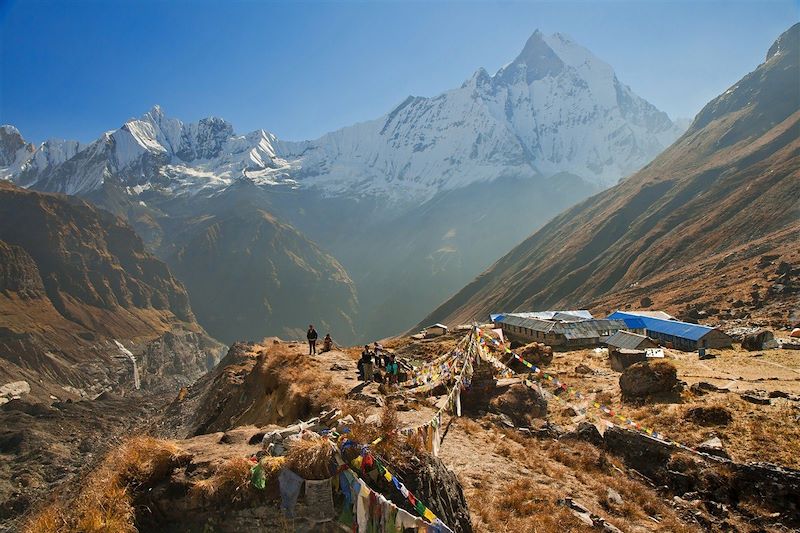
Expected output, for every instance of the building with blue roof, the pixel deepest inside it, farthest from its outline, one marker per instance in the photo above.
(676, 334)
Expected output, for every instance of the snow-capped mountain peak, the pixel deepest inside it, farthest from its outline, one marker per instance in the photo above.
(555, 108)
(151, 151)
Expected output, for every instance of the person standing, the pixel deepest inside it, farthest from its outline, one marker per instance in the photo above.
(366, 361)
(311, 335)
(392, 369)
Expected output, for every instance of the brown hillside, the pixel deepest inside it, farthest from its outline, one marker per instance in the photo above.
(73, 279)
(730, 184)
(251, 276)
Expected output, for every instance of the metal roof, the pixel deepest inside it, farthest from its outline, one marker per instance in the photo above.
(585, 329)
(530, 323)
(567, 317)
(652, 314)
(626, 340)
(675, 328)
(548, 315)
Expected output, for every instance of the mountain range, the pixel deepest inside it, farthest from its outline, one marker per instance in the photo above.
(698, 225)
(373, 224)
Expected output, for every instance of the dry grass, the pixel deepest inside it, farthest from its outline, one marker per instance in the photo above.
(523, 505)
(103, 503)
(394, 447)
(311, 458)
(303, 378)
(750, 436)
(228, 483)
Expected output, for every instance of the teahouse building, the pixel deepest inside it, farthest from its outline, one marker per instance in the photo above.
(562, 331)
(676, 334)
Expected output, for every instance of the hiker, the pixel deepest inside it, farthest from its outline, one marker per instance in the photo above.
(311, 335)
(327, 343)
(377, 348)
(392, 370)
(366, 363)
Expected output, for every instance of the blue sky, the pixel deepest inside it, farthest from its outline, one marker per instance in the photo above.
(73, 69)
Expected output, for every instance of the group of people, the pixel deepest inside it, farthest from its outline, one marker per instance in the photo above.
(372, 360)
(369, 363)
(311, 335)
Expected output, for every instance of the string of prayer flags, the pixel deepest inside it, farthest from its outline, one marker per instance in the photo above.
(601, 408)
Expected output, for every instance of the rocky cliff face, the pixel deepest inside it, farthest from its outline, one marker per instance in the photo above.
(72, 280)
(726, 190)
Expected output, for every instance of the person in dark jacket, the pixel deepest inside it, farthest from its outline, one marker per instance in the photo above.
(366, 364)
(311, 335)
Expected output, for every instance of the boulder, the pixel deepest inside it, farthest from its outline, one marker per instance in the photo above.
(648, 378)
(761, 340)
(714, 446)
(436, 485)
(713, 415)
(537, 353)
(586, 432)
(752, 398)
(522, 404)
(621, 359)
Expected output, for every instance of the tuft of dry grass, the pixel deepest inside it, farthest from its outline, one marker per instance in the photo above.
(228, 483)
(104, 501)
(310, 458)
(523, 505)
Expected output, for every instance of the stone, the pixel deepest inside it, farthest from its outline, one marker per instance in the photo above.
(373, 419)
(506, 420)
(536, 353)
(644, 379)
(433, 483)
(714, 446)
(758, 400)
(613, 498)
(760, 340)
(709, 415)
(586, 432)
(522, 404)
(583, 369)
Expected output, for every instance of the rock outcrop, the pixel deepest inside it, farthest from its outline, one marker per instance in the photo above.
(645, 379)
(521, 403)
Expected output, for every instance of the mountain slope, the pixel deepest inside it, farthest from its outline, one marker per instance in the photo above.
(398, 201)
(731, 180)
(252, 276)
(73, 279)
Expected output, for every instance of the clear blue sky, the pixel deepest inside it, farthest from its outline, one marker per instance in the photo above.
(73, 69)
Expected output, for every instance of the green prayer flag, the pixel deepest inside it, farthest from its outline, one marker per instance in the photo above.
(257, 477)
